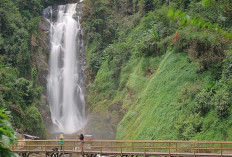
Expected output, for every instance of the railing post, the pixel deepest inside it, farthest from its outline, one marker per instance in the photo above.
(221, 149)
(121, 148)
(28, 147)
(63, 148)
(132, 149)
(101, 147)
(82, 149)
(176, 146)
(154, 146)
(144, 148)
(169, 152)
(45, 147)
(194, 149)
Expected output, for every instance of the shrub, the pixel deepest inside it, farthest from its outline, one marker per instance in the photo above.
(205, 48)
(222, 101)
(148, 5)
(158, 3)
(223, 97)
(7, 136)
(33, 122)
(218, 96)
(188, 126)
(203, 100)
(227, 68)
(189, 91)
(147, 46)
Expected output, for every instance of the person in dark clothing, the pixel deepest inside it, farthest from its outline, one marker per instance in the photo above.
(81, 138)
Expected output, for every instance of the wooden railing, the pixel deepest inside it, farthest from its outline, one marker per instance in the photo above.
(126, 147)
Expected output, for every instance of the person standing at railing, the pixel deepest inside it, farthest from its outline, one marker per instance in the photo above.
(81, 138)
(61, 141)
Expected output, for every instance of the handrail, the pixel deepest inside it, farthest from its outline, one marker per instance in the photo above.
(121, 147)
(140, 141)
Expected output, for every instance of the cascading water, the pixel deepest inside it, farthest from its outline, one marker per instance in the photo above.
(65, 83)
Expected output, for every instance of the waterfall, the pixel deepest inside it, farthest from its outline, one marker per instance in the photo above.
(65, 82)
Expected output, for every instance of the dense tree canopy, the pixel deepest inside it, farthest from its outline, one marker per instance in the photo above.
(18, 21)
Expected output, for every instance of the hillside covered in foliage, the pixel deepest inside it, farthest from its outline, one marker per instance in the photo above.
(23, 63)
(19, 92)
(157, 69)
(160, 69)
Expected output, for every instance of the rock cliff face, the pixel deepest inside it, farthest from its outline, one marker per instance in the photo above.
(40, 52)
(40, 47)
(39, 62)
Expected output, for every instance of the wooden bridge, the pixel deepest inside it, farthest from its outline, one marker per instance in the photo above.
(92, 148)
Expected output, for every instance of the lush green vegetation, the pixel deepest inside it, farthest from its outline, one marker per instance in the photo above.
(161, 88)
(151, 86)
(7, 136)
(20, 96)
(19, 92)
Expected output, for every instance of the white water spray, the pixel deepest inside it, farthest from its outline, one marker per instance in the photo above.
(65, 81)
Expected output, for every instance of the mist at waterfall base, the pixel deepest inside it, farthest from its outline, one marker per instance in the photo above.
(65, 81)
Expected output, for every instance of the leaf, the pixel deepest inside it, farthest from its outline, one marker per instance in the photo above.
(183, 15)
(171, 13)
(229, 35)
(193, 19)
(154, 34)
(208, 25)
(3, 131)
(6, 141)
(208, 3)
(215, 26)
(199, 22)
(15, 155)
(177, 13)
(188, 18)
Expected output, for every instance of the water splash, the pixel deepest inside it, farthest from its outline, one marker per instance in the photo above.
(65, 79)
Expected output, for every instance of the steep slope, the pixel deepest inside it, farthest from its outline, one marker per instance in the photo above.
(144, 84)
(158, 113)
